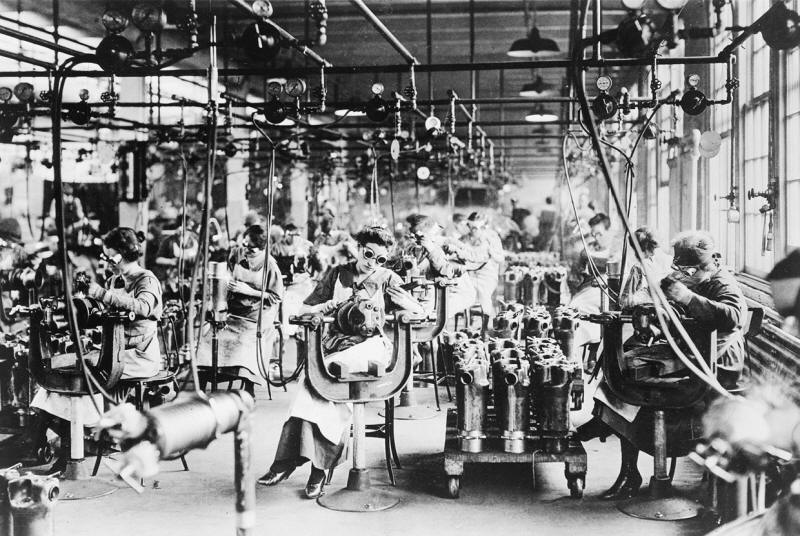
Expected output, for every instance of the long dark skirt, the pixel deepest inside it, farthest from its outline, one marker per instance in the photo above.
(302, 441)
(684, 427)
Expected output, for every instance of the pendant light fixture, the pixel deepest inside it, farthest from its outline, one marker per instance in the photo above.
(533, 46)
(537, 89)
(540, 115)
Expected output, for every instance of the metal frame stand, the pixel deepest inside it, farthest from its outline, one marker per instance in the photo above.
(661, 503)
(359, 495)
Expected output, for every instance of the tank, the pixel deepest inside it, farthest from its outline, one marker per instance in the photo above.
(218, 278)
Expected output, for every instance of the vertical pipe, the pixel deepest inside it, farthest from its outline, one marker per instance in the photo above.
(359, 437)
(429, 44)
(76, 429)
(245, 487)
(660, 446)
(597, 28)
(56, 17)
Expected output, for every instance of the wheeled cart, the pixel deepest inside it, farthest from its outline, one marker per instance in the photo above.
(573, 455)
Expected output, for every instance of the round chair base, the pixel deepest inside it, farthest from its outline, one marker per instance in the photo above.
(664, 509)
(85, 488)
(413, 413)
(367, 500)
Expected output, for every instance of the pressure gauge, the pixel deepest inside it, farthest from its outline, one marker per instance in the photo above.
(148, 17)
(603, 83)
(432, 123)
(295, 87)
(5, 94)
(24, 92)
(262, 8)
(83, 94)
(423, 173)
(274, 88)
(694, 80)
(114, 21)
(377, 88)
(394, 149)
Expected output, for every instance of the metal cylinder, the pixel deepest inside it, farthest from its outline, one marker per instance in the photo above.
(511, 381)
(511, 284)
(6, 521)
(196, 421)
(536, 322)
(218, 277)
(472, 393)
(32, 499)
(551, 378)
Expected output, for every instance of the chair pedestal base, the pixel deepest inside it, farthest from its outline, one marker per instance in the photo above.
(408, 410)
(75, 483)
(359, 495)
(661, 509)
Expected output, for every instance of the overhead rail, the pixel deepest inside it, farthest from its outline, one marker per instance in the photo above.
(27, 38)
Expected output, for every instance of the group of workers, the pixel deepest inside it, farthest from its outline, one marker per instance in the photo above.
(318, 277)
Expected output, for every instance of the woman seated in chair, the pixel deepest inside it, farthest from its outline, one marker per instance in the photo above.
(238, 338)
(130, 288)
(318, 430)
(706, 292)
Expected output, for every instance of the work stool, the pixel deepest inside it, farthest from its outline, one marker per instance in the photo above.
(383, 431)
(468, 314)
(205, 375)
(434, 376)
(143, 392)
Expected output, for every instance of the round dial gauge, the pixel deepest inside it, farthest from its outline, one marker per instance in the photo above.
(275, 88)
(262, 8)
(5, 94)
(83, 94)
(377, 88)
(114, 21)
(694, 80)
(423, 173)
(148, 17)
(432, 123)
(394, 149)
(295, 87)
(24, 92)
(603, 83)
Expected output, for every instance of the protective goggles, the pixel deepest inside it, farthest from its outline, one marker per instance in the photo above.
(369, 254)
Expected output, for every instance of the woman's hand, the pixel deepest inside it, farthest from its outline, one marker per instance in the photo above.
(95, 291)
(404, 301)
(238, 287)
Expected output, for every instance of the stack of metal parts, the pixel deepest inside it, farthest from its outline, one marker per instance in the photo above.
(532, 285)
(472, 388)
(565, 322)
(511, 389)
(536, 322)
(508, 323)
(552, 376)
(26, 503)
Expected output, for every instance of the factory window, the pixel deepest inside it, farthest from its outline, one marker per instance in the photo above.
(758, 225)
(790, 170)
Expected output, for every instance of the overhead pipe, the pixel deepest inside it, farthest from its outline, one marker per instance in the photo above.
(384, 31)
(292, 40)
(42, 43)
(388, 69)
(24, 59)
(30, 26)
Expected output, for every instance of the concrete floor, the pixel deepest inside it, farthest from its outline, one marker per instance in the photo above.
(496, 498)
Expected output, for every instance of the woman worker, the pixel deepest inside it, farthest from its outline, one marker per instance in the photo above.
(709, 294)
(317, 430)
(130, 288)
(239, 337)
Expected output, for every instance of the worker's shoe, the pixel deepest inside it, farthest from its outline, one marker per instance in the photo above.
(316, 483)
(591, 429)
(271, 478)
(626, 486)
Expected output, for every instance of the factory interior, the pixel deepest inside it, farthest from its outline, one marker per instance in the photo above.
(546, 252)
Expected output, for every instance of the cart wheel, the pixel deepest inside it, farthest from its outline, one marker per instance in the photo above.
(453, 486)
(576, 486)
